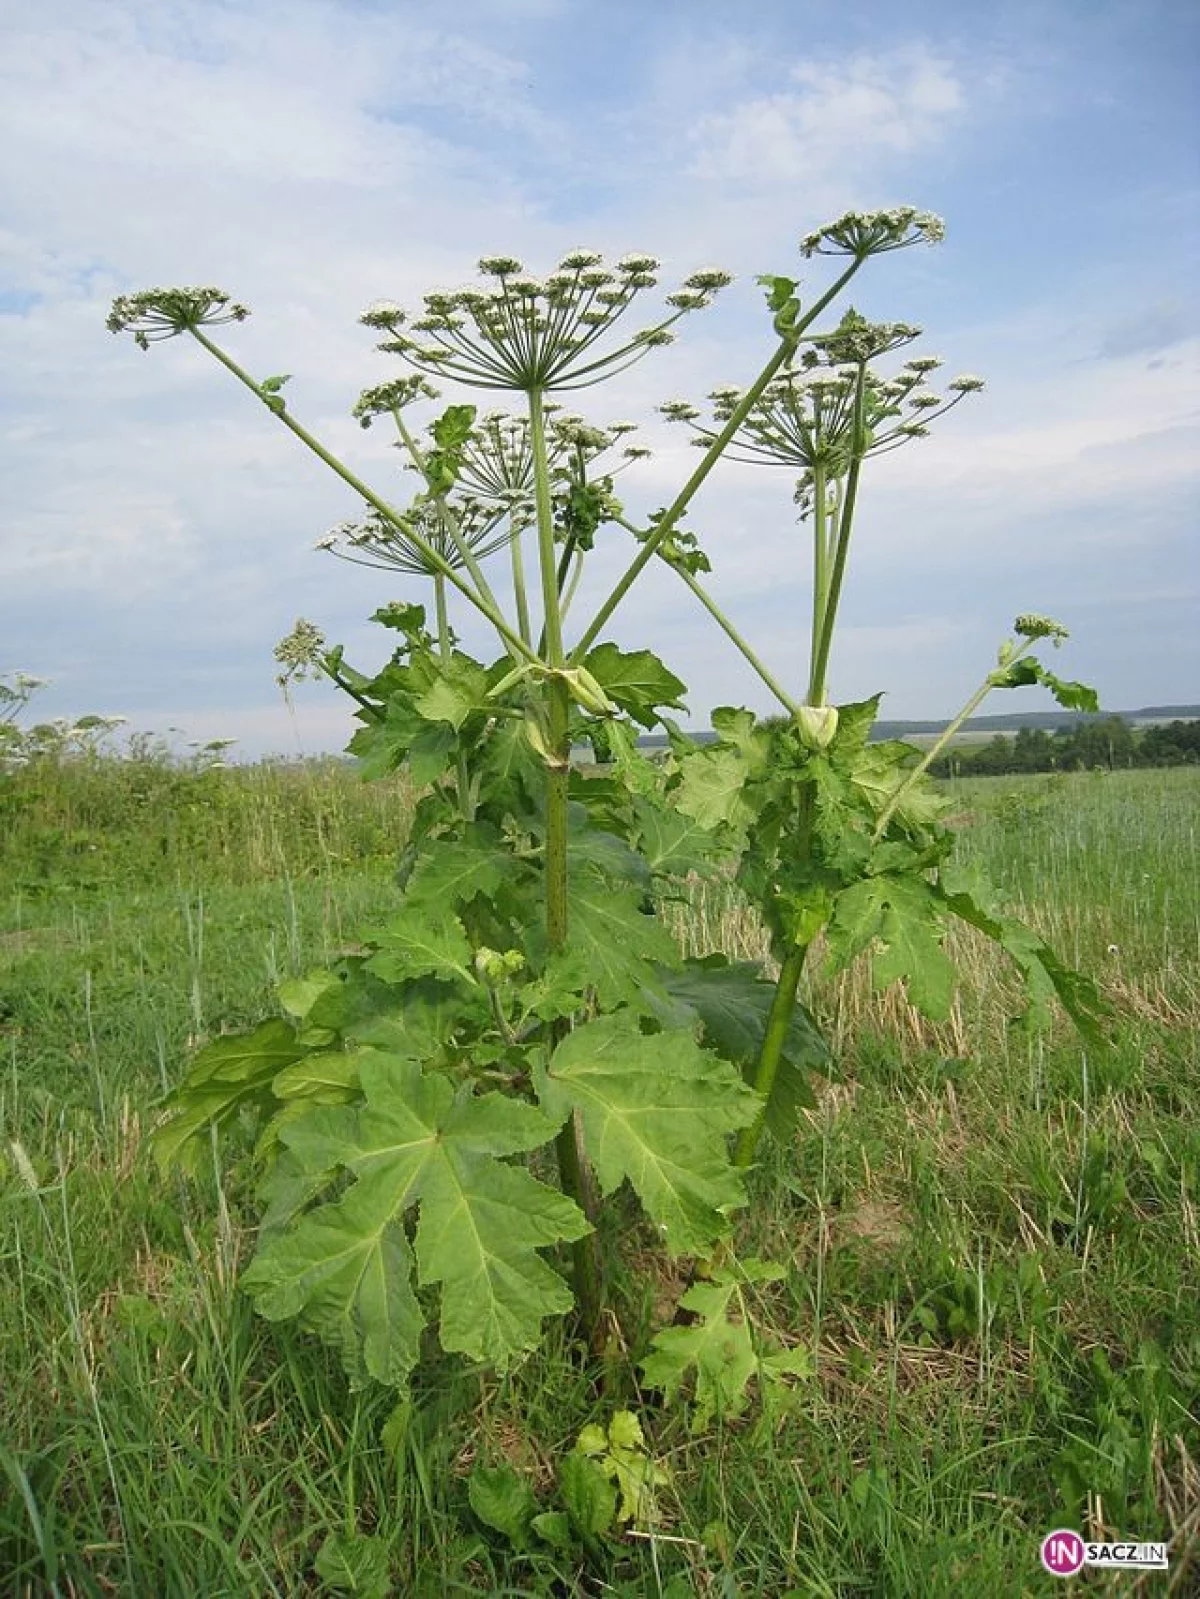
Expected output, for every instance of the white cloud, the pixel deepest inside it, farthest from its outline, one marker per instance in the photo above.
(848, 118)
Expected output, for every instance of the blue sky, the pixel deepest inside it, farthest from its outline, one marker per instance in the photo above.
(157, 527)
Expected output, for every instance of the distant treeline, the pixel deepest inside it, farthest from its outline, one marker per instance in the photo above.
(1108, 743)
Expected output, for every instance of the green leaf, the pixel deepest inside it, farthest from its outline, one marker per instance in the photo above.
(554, 1527)
(450, 873)
(612, 938)
(710, 787)
(228, 1075)
(589, 1497)
(417, 941)
(855, 721)
(741, 729)
(1028, 670)
(732, 1001)
(430, 752)
(671, 843)
(656, 1111)
(965, 892)
(637, 681)
(460, 689)
(877, 773)
(298, 995)
(344, 1268)
(327, 1077)
(905, 915)
(503, 1501)
(721, 1347)
(352, 1563)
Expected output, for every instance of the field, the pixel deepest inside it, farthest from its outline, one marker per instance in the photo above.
(992, 1243)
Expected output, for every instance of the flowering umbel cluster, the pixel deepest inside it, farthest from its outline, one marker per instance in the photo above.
(497, 460)
(808, 417)
(300, 652)
(383, 399)
(379, 542)
(526, 333)
(864, 233)
(155, 314)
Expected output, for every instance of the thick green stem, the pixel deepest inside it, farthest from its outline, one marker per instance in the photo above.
(820, 572)
(573, 1169)
(782, 1004)
(437, 562)
(726, 626)
(666, 526)
(778, 1018)
(517, 557)
(551, 619)
(817, 685)
(462, 770)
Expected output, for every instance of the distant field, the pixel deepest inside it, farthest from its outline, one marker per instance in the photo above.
(994, 1243)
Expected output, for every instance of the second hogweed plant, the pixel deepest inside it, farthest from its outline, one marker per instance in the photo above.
(439, 1116)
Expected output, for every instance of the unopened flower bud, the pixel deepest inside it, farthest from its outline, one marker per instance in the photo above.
(817, 724)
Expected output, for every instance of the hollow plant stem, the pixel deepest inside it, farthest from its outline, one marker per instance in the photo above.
(573, 1169)
(823, 643)
(935, 749)
(712, 455)
(448, 519)
(726, 626)
(462, 770)
(783, 1003)
(517, 557)
(437, 562)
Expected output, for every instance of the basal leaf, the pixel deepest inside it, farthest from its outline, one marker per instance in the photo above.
(590, 1499)
(326, 1077)
(503, 1501)
(344, 1271)
(722, 1348)
(349, 1562)
(344, 1268)
(226, 1076)
(635, 680)
(656, 1111)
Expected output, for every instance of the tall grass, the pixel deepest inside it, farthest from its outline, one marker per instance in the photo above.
(993, 1241)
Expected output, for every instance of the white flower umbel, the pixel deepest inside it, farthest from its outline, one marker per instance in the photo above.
(378, 542)
(864, 233)
(529, 334)
(155, 314)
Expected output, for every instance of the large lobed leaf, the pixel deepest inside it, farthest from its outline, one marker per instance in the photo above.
(905, 915)
(345, 1268)
(656, 1111)
(731, 1001)
(722, 1347)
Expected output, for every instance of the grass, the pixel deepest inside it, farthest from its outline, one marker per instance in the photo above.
(992, 1244)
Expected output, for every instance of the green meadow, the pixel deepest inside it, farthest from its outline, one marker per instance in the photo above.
(992, 1241)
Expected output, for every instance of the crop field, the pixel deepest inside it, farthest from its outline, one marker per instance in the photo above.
(992, 1242)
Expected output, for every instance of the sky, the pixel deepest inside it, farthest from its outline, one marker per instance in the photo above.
(157, 524)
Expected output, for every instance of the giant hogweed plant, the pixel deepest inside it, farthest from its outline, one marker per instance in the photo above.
(440, 1115)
